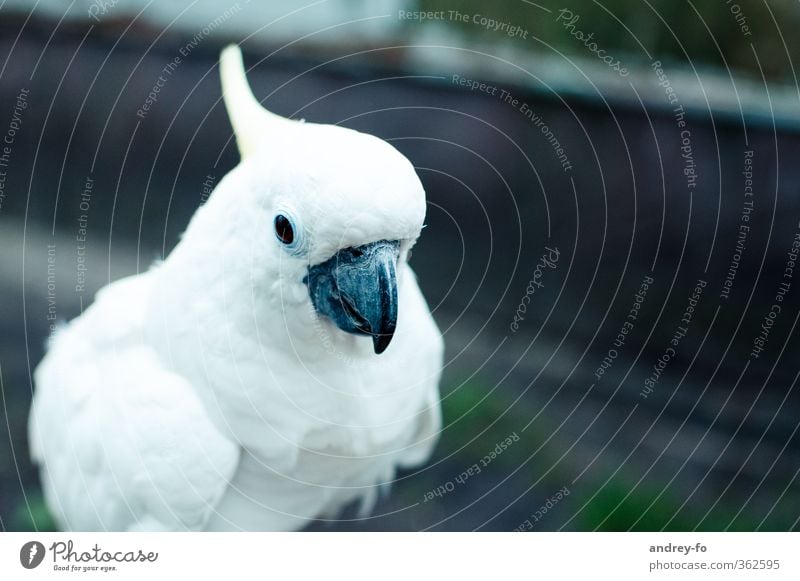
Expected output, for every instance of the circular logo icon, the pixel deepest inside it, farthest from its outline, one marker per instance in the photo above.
(31, 554)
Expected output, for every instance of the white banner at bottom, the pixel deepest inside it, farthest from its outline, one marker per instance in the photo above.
(389, 556)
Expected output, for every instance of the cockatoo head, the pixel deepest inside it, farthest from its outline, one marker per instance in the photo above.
(330, 212)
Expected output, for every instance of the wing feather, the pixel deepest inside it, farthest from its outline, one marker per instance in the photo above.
(123, 443)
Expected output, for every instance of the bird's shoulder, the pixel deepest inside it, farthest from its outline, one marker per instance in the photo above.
(122, 439)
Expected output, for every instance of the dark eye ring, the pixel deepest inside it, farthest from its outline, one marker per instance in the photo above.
(284, 229)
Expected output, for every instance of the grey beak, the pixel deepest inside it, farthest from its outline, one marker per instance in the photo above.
(357, 289)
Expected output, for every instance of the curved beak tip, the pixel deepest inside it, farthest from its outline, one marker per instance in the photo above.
(381, 342)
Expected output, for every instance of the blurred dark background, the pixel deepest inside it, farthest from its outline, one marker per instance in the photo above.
(626, 185)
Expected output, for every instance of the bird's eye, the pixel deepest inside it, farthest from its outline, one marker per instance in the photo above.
(284, 229)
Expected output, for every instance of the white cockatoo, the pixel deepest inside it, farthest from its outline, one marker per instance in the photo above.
(278, 365)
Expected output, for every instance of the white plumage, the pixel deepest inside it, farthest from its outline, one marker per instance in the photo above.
(209, 393)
